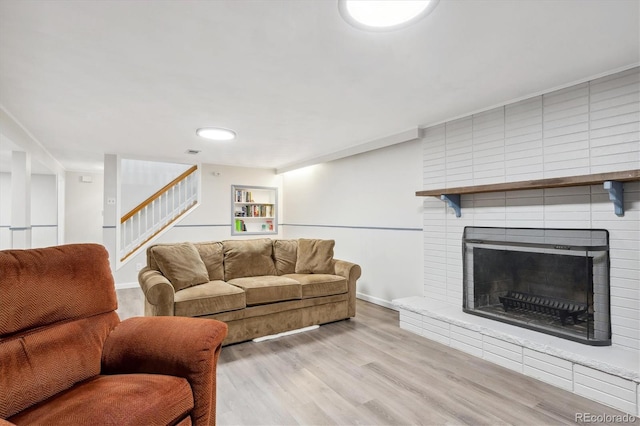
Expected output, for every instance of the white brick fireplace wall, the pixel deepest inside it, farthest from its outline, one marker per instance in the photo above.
(593, 127)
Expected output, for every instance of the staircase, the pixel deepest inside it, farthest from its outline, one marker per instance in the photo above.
(158, 213)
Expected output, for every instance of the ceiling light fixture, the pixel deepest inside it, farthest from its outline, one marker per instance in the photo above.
(384, 15)
(216, 133)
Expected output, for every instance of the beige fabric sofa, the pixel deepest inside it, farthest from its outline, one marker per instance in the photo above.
(258, 287)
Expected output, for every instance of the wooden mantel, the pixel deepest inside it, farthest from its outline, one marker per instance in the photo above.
(612, 182)
(595, 179)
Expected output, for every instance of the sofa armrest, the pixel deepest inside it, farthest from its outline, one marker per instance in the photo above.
(158, 293)
(176, 346)
(351, 272)
(5, 423)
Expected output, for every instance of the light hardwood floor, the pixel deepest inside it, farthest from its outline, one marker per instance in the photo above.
(368, 371)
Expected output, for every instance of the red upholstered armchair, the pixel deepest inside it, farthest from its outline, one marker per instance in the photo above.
(66, 358)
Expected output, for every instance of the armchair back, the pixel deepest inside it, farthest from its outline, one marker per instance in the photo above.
(60, 298)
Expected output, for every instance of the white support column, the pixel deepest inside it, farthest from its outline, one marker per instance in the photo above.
(60, 188)
(20, 200)
(110, 228)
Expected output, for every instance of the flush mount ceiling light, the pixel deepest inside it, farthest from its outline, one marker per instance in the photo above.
(384, 15)
(216, 133)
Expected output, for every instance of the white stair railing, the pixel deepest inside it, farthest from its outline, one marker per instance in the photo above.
(158, 212)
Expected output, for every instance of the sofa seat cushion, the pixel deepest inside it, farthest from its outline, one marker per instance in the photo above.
(125, 399)
(316, 285)
(210, 298)
(268, 289)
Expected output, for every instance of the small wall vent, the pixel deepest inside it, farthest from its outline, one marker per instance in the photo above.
(192, 151)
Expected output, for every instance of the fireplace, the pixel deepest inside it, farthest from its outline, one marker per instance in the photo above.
(554, 281)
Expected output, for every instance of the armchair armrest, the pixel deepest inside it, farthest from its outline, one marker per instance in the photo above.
(351, 272)
(158, 293)
(176, 346)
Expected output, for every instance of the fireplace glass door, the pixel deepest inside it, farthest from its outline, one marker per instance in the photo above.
(554, 281)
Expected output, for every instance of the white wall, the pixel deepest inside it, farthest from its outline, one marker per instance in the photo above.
(588, 128)
(141, 179)
(367, 204)
(83, 208)
(211, 221)
(44, 211)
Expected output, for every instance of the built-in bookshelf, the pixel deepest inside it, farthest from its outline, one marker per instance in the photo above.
(254, 210)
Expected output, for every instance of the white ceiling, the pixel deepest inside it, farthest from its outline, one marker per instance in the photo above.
(293, 79)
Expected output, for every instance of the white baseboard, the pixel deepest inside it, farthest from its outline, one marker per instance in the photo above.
(122, 286)
(376, 300)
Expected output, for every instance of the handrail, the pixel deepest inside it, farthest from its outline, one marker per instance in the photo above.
(156, 233)
(157, 194)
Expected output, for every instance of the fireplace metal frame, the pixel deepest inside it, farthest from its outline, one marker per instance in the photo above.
(495, 242)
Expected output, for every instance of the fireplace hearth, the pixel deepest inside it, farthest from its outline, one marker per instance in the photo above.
(554, 281)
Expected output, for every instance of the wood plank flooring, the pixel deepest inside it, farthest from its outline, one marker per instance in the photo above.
(368, 371)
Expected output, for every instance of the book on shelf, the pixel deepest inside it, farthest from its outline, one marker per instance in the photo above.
(243, 196)
(240, 226)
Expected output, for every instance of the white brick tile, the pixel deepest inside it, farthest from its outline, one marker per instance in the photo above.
(547, 368)
(615, 94)
(622, 148)
(576, 129)
(567, 117)
(622, 129)
(629, 79)
(564, 95)
(411, 327)
(495, 153)
(615, 139)
(630, 158)
(621, 109)
(622, 98)
(625, 342)
(411, 317)
(566, 160)
(524, 173)
(436, 330)
(480, 168)
(563, 139)
(617, 120)
(553, 170)
(621, 302)
(579, 148)
(628, 332)
(524, 107)
(526, 136)
(526, 156)
(605, 388)
(466, 341)
(502, 353)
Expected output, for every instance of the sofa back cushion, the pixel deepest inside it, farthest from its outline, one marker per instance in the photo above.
(285, 253)
(315, 257)
(181, 264)
(248, 258)
(212, 254)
